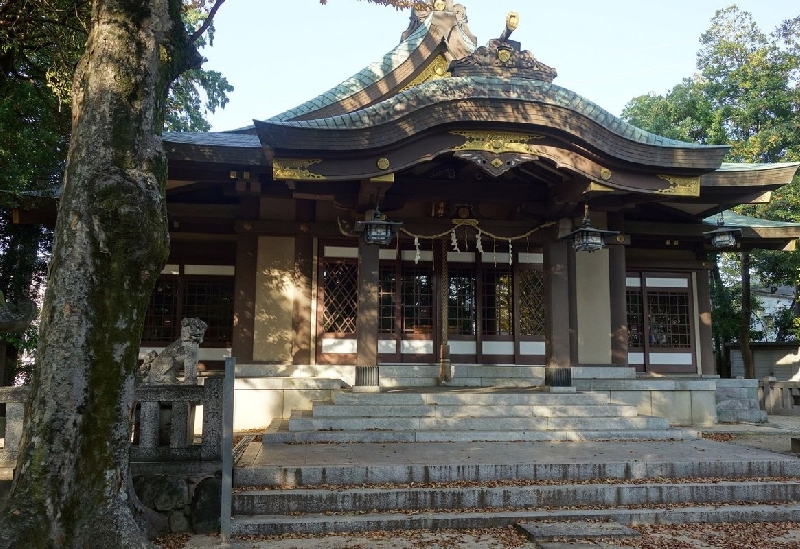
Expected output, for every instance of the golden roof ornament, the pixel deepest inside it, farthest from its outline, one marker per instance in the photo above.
(503, 58)
(512, 22)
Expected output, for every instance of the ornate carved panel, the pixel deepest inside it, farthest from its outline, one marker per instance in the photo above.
(295, 168)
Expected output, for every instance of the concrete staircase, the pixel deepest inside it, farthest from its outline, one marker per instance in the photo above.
(364, 487)
(466, 415)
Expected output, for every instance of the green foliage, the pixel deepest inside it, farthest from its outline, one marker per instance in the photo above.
(745, 95)
(194, 93)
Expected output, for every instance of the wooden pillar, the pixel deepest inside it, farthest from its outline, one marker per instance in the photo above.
(444, 293)
(561, 343)
(303, 274)
(244, 303)
(572, 304)
(619, 310)
(367, 320)
(705, 343)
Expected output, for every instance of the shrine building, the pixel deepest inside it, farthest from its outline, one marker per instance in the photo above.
(451, 216)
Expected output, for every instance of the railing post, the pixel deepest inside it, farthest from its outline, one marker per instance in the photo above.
(227, 450)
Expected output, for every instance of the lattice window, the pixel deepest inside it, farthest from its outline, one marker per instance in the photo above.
(461, 302)
(668, 318)
(531, 302)
(634, 305)
(161, 322)
(340, 298)
(386, 297)
(497, 302)
(211, 300)
(417, 295)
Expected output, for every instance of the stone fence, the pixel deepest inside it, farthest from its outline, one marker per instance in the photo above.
(183, 475)
(164, 430)
(780, 398)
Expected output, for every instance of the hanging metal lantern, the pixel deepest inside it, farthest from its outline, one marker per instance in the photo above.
(723, 236)
(587, 238)
(376, 229)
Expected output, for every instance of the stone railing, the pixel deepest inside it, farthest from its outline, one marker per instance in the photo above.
(152, 441)
(164, 430)
(14, 398)
(780, 398)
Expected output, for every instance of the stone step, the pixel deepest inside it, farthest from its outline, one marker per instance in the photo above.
(322, 409)
(471, 398)
(294, 466)
(278, 433)
(302, 420)
(261, 502)
(272, 525)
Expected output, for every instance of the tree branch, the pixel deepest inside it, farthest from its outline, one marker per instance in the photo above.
(207, 23)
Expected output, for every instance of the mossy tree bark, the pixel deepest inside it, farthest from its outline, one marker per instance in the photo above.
(111, 242)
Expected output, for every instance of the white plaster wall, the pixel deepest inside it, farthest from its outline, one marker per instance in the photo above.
(275, 289)
(594, 307)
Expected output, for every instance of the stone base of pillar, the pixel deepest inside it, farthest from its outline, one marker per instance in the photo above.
(558, 376)
(365, 389)
(367, 380)
(445, 373)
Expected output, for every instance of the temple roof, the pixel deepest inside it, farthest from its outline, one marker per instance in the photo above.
(439, 104)
(488, 100)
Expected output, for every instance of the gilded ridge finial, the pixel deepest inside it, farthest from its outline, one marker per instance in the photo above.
(512, 22)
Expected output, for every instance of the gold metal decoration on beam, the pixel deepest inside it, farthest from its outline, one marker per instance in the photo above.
(605, 174)
(598, 187)
(295, 168)
(385, 178)
(680, 186)
(496, 142)
(436, 70)
(383, 163)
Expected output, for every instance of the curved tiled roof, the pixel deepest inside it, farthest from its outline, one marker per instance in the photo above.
(213, 139)
(493, 88)
(489, 99)
(366, 77)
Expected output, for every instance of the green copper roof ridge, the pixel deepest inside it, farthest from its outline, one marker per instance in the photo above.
(367, 76)
(549, 93)
(754, 166)
(732, 219)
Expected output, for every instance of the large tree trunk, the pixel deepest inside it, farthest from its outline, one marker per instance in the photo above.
(744, 334)
(110, 244)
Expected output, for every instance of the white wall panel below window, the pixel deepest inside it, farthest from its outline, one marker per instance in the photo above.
(498, 347)
(416, 347)
(339, 346)
(672, 359)
(531, 348)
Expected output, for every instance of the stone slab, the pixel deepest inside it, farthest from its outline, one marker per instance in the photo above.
(290, 501)
(271, 525)
(448, 461)
(577, 529)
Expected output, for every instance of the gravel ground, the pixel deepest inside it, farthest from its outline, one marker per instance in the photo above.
(694, 536)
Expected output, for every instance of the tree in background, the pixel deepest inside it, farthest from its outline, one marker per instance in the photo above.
(745, 95)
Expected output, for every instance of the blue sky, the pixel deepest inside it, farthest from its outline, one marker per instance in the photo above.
(279, 53)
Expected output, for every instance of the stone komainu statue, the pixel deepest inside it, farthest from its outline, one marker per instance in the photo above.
(180, 356)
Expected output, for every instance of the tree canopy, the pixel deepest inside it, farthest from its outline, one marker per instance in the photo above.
(746, 94)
